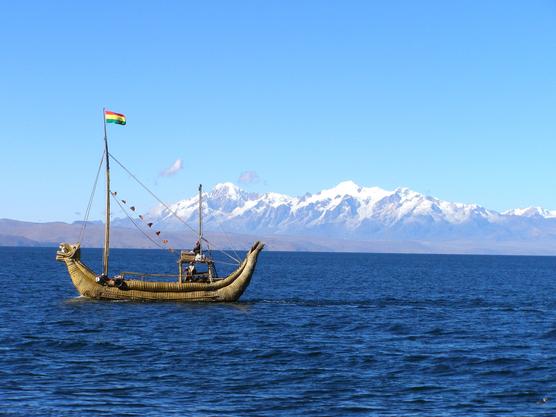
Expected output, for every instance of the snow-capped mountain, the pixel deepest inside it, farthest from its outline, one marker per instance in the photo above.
(537, 212)
(351, 211)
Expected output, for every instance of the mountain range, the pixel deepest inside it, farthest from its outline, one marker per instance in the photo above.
(351, 217)
(349, 211)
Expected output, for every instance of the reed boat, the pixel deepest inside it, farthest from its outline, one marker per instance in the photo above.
(197, 282)
(226, 289)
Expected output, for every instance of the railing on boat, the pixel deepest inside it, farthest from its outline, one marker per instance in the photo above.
(141, 275)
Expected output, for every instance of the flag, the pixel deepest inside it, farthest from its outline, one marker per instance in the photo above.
(111, 117)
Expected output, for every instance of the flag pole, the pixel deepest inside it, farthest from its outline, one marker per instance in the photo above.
(107, 222)
(200, 219)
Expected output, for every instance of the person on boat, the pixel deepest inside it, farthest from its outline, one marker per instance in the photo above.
(197, 248)
(191, 270)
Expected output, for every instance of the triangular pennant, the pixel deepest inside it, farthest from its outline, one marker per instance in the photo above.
(141, 216)
(149, 224)
(123, 201)
(158, 233)
(132, 208)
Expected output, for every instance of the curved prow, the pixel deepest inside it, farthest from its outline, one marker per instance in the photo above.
(234, 290)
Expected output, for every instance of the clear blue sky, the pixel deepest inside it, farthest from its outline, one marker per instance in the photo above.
(453, 99)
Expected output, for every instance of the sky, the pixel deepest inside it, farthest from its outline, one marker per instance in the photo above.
(452, 99)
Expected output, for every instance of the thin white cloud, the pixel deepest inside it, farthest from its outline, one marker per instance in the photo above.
(248, 177)
(172, 169)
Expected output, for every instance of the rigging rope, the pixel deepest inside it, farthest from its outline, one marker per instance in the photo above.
(88, 210)
(142, 218)
(135, 224)
(228, 240)
(152, 194)
(236, 259)
(225, 263)
(163, 203)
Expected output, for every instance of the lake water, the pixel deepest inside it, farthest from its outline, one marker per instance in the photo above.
(314, 335)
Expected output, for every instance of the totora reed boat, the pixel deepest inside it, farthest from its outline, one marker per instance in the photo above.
(197, 282)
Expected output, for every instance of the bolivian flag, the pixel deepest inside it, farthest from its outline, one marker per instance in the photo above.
(111, 117)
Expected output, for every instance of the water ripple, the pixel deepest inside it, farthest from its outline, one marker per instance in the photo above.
(411, 336)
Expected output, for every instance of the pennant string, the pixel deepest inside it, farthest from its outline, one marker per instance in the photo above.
(162, 202)
(142, 218)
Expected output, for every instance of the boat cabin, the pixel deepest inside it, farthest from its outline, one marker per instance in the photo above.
(195, 267)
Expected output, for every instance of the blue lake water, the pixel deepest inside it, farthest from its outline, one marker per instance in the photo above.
(314, 335)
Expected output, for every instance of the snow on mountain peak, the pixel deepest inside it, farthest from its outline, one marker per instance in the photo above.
(226, 188)
(403, 191)
(531, 212)
(231, 193)
(346, 209)
(347, 187)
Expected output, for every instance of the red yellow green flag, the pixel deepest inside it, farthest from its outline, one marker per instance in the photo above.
(111, 117)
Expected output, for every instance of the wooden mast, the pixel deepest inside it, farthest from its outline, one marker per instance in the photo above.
(107, 222)
(200, 218)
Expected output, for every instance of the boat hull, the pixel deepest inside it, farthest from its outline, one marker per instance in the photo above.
(228, 289)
